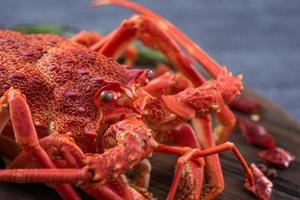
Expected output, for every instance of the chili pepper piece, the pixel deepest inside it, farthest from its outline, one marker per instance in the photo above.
(277, 156)
(262, 187)
(257, 134)
(245, 105)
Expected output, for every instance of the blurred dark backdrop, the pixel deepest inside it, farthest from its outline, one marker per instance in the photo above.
(260, 38)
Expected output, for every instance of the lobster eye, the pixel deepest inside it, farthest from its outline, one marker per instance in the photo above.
(149, 74)
(106, 96)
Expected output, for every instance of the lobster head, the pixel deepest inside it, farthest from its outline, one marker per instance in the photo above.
(116, 99)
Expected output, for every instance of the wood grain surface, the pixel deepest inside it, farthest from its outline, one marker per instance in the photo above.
(286, 186)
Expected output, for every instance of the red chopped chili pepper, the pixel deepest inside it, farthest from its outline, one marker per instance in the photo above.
(257, 134)
(262, 187)
(277, 156)
(245, 105)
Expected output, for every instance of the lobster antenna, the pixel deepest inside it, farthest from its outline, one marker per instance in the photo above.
(211, 65)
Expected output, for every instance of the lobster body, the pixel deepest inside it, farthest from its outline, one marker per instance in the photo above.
(60, 79)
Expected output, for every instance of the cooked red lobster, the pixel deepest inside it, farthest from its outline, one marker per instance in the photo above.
(72, 116)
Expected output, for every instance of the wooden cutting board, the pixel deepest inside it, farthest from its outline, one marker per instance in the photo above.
(286, 186)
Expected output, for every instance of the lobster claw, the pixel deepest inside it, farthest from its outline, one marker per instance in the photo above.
(262, 187)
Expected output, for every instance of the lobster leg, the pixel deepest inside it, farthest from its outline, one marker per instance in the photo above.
(167, 84)
(142, 177)
(26, 135)
(134, 143)
(214, 184)
(66, 154)
(192, 171)
(4, 113)
(8, 147)
(93, 41)
(186, 154)
(142, 28)
(86, 39)
(204, 101)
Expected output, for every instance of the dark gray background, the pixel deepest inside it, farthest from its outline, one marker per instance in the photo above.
(260, 38)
